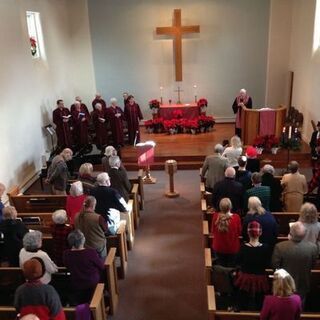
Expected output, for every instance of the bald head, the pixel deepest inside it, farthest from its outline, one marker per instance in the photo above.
(297, 231)
(230, 172)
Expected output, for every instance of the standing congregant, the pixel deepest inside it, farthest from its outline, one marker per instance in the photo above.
(99, 122)
(115, 116)
(242, 100)
(80, 117)
(62, 119)
(133, 114)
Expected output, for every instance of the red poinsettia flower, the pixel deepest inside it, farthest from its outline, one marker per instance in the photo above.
(202, 103)
(154, 104)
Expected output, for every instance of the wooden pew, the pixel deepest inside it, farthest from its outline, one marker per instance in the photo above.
(215, 314)
(139, 181)
(134, 195)
(11, 278)
(38, 203)
(97, 307)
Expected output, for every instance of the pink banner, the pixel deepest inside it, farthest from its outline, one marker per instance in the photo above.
(267, 122)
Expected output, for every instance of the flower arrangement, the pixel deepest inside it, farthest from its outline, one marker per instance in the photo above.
(202, 103)
(294, 143)
(34, 47)
(179, 124)
(177, 114)
(154, 104)
(266, 142)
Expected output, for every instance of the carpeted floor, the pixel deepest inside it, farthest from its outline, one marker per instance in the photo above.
(165, 278)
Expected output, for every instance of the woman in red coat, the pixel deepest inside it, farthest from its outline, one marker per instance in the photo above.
(226, 229)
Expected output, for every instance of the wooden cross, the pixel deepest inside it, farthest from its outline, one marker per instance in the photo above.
(176, 31)
(179, 91)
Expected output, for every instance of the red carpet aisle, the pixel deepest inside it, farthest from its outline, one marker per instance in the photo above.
(165, 278)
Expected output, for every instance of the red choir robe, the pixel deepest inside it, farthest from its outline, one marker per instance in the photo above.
(63, 128)
(116, 124)
(83, 107)
(132, 115)
(100, 127)
(80, 127)
(103, 103)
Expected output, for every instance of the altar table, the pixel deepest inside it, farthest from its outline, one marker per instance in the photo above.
(189, 110)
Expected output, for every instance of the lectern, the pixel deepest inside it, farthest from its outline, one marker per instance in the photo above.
(261, 122)
(146, 158)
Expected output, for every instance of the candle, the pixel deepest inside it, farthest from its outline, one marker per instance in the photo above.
(161, 88)
(284, 130)
(290, 130)
(195, 93)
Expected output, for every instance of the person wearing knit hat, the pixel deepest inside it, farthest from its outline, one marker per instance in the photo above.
(252, 280)
(253, 163)
(34, 297)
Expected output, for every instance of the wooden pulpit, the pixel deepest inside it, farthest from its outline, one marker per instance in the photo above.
(255, 122)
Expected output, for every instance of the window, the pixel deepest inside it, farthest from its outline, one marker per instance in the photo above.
(316, 32)
(35, 34)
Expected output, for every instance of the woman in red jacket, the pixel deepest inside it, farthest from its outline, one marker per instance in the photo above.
(226, 229)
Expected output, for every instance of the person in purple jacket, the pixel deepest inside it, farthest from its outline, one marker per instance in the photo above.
(85, 266)
(284, 304)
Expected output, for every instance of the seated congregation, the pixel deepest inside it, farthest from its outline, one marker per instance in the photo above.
(263, 235)
(66, 256)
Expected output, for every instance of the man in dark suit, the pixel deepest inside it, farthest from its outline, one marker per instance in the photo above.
(119, 178)
(228, 188)
(315, 143)
(297, 257)
(262, 192)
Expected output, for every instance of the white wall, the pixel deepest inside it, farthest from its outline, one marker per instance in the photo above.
(29, 88)
(229, 53)
(305, 63)
(279, 53)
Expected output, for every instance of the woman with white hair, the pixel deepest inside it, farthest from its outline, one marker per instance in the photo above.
(284, 304)
(233, 152)
(242, 100)
(110, 151)
(98, 116)
(269, 180)
(115, 117)
(267, 221)
(75, 201)
(32, 243)
(59, 230)
(310, 219)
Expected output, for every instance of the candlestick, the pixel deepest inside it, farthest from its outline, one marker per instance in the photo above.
(195, 93)
(290, 131)
(161, 101)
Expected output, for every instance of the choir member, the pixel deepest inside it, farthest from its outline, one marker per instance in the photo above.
(83, 106)
(125, 98)
(133, 114)
(98, 98)
(115, 116)
(62, 119)
(80, 119)
(242, 100)
(100, 127)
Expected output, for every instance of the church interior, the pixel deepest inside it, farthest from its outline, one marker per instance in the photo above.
(163, 263)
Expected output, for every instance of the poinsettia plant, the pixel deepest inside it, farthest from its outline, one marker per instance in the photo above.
(177, 114)
(206, 121)
(202, 103)
(192, 124)
(267, 142)
(154, 104)
(149, 124)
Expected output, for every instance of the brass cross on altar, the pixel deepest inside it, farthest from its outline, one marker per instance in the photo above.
(176, 31)
(178, 90)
